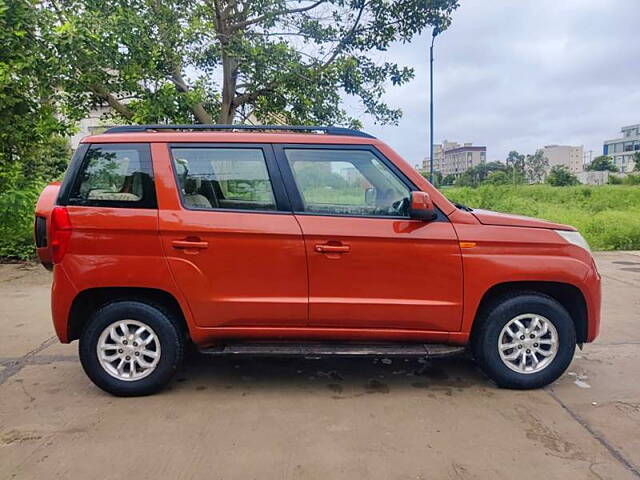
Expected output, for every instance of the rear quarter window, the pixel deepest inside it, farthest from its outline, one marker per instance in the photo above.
(118, 175)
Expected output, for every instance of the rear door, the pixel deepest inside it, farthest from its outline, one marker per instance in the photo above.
(110, 198)
(233, 245)
(370, 265)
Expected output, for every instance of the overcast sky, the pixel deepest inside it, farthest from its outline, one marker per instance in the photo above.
(520, 75)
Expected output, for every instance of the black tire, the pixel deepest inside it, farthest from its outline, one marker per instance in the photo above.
(484, 342)
(168, 333)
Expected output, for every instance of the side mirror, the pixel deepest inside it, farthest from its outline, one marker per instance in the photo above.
(421, 207)
(370, 196)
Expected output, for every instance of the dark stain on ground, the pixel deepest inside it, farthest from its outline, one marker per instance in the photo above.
(636, 270)
(434, 372)
(626, 263)
(376, 386)
(420, 385)
(334, 387)
(201, 387)
(344, 377)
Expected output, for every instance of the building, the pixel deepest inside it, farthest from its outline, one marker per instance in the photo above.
(567, 155)
(623, 149)
(438, 155)
(458, 160)
(94, 123)
(453, 158)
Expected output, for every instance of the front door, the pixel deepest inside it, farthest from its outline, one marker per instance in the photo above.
(370, 266)
(233, 245)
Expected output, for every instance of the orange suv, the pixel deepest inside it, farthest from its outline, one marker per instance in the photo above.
(297, 241)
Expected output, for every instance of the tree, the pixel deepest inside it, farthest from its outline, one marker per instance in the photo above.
(29, 100)
(603, 163)
(515, 167)
(560, 176)
(515, 160)
(536, 166)
(437, 177)
(474, 176)
(498, 177)
(636, 159)
(280, 61)
(448, 179)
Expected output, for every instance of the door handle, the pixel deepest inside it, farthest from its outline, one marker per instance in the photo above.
(324, 248)
(189, 244)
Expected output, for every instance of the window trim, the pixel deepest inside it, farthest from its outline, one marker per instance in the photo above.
(296, 199)
(71, 174)
(78, 164)
(277, 185)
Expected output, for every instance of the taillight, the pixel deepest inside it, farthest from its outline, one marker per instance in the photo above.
(60, 233)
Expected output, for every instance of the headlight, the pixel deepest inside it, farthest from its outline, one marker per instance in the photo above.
(575, 238)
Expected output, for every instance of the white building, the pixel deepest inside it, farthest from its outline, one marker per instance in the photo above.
(567, 155)
(94, 123)
(453, 158)
(622, 149)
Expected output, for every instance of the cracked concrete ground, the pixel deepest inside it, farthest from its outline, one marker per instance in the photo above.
(307, 419)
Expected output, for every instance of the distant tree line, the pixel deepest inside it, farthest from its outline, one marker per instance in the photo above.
(520, 169)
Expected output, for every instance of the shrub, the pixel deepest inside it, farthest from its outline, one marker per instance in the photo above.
(631, 179)
(16, 221)
(560, 176)
(498, 177)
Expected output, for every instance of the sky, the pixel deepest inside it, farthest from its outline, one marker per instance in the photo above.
(519, 75)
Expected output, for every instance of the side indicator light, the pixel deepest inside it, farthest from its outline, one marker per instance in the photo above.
(467, 244)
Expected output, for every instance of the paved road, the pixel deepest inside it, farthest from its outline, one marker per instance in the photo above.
(308, 419)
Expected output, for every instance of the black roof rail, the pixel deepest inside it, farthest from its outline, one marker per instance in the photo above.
(288, 128)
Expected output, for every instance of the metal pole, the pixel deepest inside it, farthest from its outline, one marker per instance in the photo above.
(431, 108)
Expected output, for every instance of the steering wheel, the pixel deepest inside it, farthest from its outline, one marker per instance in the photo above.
(400, 206)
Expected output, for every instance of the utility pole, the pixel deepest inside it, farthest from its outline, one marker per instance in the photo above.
(587, 158)
(436, 31)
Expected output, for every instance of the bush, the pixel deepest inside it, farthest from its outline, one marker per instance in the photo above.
(21, 181)
(631, 179)
(608, 216)
(499, 177)
(560, 176)
(16, 221)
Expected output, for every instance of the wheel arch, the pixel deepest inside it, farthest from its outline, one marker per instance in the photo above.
(88, 301)
(568, 295)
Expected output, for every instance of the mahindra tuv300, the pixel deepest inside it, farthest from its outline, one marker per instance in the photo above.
(297, 240)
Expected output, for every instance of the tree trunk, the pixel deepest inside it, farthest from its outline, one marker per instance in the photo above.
(113, 102)
(196, 108)
(229, 81)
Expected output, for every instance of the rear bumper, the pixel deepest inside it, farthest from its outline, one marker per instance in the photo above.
(63, 291)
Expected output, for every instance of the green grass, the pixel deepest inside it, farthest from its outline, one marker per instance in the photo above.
(608, 216)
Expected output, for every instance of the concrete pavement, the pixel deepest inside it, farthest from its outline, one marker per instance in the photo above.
(307, 419)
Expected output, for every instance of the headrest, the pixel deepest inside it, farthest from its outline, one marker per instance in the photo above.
(192, 185)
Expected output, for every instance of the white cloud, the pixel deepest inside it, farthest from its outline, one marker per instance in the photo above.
(521, 75)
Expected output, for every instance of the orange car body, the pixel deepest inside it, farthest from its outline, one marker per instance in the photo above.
(291, 275)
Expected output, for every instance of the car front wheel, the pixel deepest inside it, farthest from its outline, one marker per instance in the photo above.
(525, 341)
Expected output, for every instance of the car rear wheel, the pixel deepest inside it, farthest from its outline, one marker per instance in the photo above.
(131, 348)
(525, 341)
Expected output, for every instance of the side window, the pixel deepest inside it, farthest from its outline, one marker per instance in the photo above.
(347, 182)
(115, 176)
(226, 178)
